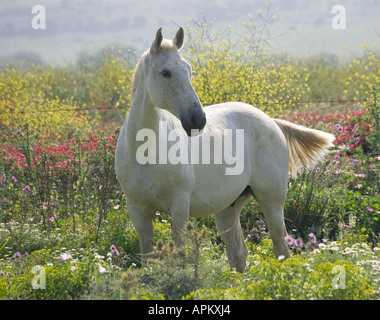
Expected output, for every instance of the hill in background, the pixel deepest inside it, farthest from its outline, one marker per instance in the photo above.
(74, 26)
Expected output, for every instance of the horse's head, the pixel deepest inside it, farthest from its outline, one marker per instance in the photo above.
(168, 82)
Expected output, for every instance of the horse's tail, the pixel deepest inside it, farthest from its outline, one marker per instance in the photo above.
(306, 146)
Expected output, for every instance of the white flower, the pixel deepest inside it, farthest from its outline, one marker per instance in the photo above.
(65, 256)
(347, 250)
(97, 256)
(102, 269)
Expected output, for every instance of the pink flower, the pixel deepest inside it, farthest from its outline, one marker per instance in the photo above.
(65, 256)
(369, 209)
(102, 269)
(17, 255)
(313, 239)
(114, 250)
(117, 207)
(338, 127)
(27, 189)
(289, 240)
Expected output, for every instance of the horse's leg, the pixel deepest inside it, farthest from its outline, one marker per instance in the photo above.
(272, 204)
(180, 216)
(142, 220)
(229, 229)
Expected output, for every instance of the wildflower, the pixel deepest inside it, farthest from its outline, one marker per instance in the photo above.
(369, 209)
(338, 127)
(347, 251)
(27, 189)
(4, 179)
(358, 186)
(289, 240)
(345, 227)
(325, 240)
(14, 179)
(65, 256)
(336, 159)
(102, 269)
(298, 243)
(17, 255)
(317, 169)
(360, 175)
(313, 239)
(114, 250)
(117, 207)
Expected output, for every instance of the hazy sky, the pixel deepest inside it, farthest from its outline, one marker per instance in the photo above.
(74, 26)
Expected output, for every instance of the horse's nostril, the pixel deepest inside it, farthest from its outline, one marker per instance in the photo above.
(197, 121)
(194, 121)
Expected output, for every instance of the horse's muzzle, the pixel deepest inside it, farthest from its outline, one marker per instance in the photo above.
(194, 124)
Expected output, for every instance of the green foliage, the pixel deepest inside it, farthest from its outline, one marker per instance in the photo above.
(66, 98)
(228, 66)
(63, 281)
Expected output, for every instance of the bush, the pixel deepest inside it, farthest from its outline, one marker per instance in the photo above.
(228, 66)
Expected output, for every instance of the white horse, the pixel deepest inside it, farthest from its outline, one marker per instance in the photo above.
(162, 93)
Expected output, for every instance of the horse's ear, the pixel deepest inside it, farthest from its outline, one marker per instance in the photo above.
(179, 38)
(157, 42)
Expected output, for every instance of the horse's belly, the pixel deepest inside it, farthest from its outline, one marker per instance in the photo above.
(214, 191)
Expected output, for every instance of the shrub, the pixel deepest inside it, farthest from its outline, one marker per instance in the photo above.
(228, 66)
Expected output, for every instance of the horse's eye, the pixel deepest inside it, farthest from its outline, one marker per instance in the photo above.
(166, 73)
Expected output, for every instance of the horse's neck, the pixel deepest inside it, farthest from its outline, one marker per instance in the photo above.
(142, 115)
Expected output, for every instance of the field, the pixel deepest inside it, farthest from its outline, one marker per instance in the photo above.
(64, 227)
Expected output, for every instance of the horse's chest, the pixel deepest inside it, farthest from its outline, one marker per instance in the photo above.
(155, 183)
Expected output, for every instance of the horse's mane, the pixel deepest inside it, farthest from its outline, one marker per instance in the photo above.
(136, 73)
(166, 45)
